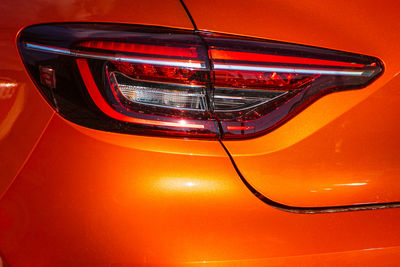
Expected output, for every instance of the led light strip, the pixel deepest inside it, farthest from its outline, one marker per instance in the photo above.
(148, 49)
(220, 54)
(292, 70)
(194, 64)
(163, 62)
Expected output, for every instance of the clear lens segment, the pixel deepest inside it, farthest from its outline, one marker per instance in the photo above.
(159, 94)
(239, 100)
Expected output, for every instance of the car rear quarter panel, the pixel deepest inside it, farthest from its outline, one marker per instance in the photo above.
(93, 201)
(342, 150)
(89, 198)
(23, 113)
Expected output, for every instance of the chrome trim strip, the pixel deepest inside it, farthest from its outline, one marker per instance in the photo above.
(67, 52)
(196, 65)
(54, 50)
(292, 70)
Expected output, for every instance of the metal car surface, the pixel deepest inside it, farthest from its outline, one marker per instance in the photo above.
(73, 196)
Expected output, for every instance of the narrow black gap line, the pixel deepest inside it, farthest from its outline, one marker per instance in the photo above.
(293, 209)
(190, 15)
(300, 210)
(308, 210)
(211, 85)
(210, 93)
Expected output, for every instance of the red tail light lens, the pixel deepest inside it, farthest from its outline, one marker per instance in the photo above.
(258, 85)
(149, 80)
(142, 80)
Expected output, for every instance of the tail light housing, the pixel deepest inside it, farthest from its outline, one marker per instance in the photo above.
(161, 81)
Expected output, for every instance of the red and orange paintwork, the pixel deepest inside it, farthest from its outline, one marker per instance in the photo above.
(77, 196)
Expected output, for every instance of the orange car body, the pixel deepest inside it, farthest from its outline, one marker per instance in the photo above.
(77, 196)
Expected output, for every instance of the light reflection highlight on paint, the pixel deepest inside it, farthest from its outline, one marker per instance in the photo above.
(169, 184)
(340, 185)
(351, 184)
(7, 89)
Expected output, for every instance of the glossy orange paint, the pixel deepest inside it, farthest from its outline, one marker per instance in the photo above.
(90, 198)
(351, 160)
(103, 203)
(23, 113)
(342, 150)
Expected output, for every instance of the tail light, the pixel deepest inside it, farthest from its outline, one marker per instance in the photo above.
(259, 85)
(159, 81)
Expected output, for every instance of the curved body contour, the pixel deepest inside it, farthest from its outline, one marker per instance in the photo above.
(83, 197)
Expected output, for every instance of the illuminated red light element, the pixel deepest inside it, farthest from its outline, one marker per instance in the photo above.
(239, 128)
(148, 49)
(160, 73)
(258, 57)
(265, 80)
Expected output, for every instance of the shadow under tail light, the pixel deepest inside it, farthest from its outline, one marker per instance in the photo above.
(159, 81)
